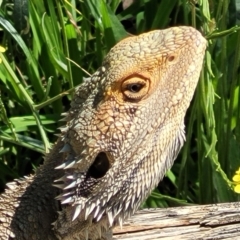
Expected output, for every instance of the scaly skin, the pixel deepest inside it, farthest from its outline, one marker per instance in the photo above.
(122, 133)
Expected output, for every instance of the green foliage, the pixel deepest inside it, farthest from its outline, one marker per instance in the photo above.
(57, 42)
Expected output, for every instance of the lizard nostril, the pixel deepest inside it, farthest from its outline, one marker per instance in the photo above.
(100, 166)
(171, 58)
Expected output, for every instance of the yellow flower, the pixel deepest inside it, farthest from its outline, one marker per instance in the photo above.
(238, 171)
(236, 179)
(237, 188)
(2, 50)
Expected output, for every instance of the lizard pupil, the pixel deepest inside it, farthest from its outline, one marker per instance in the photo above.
(135, 87)
(100, 166)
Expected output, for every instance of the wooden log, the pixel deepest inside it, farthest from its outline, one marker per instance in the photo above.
(218, 221)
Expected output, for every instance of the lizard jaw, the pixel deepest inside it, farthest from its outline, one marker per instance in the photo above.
(114, 206)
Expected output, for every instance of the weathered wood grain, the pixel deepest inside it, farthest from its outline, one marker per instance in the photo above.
(218, 221)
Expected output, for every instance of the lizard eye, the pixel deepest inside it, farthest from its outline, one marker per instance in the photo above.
(135, 88)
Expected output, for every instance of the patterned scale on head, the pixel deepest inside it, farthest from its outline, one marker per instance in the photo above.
(126, 126)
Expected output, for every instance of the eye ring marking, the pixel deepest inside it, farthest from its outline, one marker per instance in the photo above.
(135, 88)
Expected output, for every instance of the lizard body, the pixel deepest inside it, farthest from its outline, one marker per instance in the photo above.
(123, 131)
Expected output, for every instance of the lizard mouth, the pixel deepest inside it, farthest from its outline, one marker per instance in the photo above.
(99, 167)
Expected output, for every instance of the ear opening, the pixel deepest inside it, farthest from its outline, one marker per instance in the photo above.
(99, 167)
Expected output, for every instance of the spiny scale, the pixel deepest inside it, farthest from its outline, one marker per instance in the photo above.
(70, 165)
(66, 165)
(110, 218)
(101, 212)
(67, 200)
(77, 211)
(96, 211)
(89, 209)
(66, 148)
(120, 222)
(60, 186)
(62, 166)
(61, 179)
(63, 129)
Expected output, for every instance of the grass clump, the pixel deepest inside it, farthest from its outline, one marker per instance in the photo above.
(46, 41)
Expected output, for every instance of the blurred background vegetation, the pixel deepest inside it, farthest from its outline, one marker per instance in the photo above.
(48, 46)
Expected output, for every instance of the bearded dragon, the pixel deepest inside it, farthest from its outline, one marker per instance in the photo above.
(122, 133)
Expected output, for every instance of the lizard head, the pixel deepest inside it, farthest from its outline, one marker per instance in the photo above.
(126, 123)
